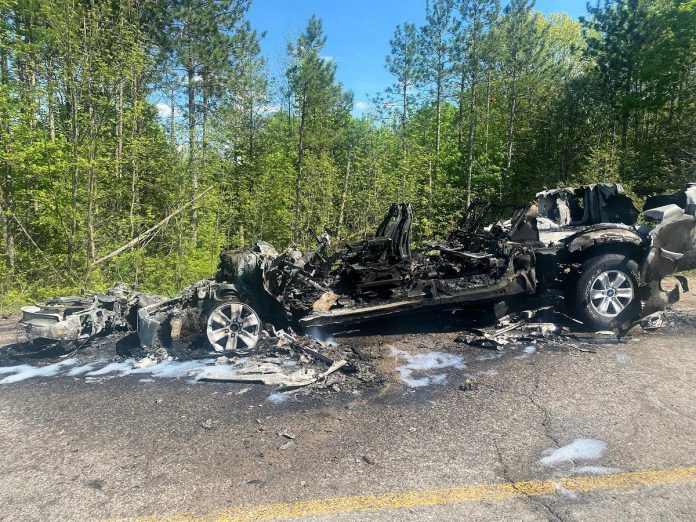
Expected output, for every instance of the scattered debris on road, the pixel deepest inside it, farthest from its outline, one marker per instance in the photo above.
(283, 360)
(288, 362)
(469, 384)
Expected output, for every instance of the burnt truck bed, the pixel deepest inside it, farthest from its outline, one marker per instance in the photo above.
(507, 286)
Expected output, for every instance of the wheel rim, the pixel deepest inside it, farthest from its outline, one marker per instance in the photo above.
(233, 327)
(611, 292)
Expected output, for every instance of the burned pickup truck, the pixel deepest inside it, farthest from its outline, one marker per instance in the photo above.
(586, 242)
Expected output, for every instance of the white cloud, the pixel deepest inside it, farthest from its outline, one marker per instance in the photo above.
(164, 110)
(361, 105)
(269, 108)
(183, 80)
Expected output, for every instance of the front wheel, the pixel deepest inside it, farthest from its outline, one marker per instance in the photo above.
(233, 327)
(606, 287)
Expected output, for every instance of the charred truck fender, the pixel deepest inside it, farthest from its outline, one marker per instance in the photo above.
(183, 318)
(672, 248)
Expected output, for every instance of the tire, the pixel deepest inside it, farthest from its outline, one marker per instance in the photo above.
(607, 285)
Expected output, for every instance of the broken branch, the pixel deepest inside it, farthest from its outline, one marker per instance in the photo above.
(133, 242)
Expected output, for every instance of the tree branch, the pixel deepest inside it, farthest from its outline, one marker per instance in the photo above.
(133, 242)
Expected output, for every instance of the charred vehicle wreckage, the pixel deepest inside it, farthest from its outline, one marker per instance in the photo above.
(587, 242)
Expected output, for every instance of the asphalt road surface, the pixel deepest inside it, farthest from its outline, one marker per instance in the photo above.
(536, 432)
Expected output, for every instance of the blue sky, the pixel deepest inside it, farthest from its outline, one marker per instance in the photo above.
(358, 33)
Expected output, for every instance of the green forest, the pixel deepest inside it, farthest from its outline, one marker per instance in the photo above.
(102, 185)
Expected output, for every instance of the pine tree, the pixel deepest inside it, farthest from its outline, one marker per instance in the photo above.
(476, 18)
(319, 102)
(205, 39)
(435, 55)
(402, 64)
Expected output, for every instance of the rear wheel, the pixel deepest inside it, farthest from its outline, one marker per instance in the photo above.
(233, 327)
(606, 287)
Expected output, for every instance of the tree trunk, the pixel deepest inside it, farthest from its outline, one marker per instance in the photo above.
(433, 171)
(438, 110)
(430, 196)
(488, 112)
(51, 102)
(75, 177)
(204, 130)
(172, 128)
(624, 141)
(300, 159)
(119, 131)
(191, 88)
(91, 189)
(6, 187)
(472, 128)
(344, 195)
(134, 161)
(7, 238)
(460, 113)
(251, 129)
(404, 116)
(511, 130)
(27, 73)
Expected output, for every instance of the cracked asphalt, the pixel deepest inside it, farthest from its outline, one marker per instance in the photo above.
(169, 449)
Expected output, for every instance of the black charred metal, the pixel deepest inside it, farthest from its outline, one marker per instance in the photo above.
(76, 318)
(382, 275)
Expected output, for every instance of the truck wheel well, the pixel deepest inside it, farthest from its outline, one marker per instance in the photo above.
(625, 249)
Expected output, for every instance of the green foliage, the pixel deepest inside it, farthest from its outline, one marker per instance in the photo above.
(115, 114)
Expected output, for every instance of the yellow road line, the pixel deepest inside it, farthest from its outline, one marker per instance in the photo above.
(441, 497)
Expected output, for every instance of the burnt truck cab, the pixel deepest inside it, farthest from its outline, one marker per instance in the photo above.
(586, 241)
(614, 268)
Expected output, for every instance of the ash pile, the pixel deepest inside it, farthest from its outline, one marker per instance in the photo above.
(287, 362)
(290, 362)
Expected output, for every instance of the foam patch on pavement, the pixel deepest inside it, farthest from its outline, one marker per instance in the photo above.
(578, 450)
(23, 372)
(198, 368)
(415, 372)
